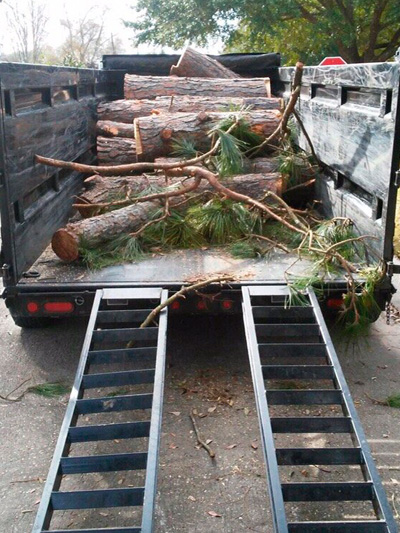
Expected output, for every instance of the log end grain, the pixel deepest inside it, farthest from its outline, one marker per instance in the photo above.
(65, 245)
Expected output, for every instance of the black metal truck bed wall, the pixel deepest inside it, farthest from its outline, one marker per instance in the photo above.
(352, 115)
(49, 111)
(246, 65)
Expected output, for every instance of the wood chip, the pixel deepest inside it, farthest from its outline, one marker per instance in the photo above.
(214, 514)
(230, 447)
(254, 445)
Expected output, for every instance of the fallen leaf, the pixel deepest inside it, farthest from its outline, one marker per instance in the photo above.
(208, 441)
(213, 514)
(176, 413)
(103, 514)
(192, 498)
(173, 446)
(120, 481)
(246, 411)
(254, 445)
(230, 447)
(211, 409)
(194, 411)
(202, 415)
(231, 402)
(304, 473)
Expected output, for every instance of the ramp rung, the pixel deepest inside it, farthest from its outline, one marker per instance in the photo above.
(292, 349)
(119, 316)
(318, 456)
(126, 430)
(122, 355)
(114, 379)
(311, 424)
(324, 492)
(114, 403)
(305, 397)
(125, 334)
(287, 330)
(298, 371)
(103, 463)
(94, 499)
(99, 530)
(369, 526)
(265, 311)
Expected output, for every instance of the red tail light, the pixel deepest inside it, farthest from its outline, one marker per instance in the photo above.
(201, 305)
(334, 303)
(227, 304)
(32, 307)
(59, 307)
(176, 305)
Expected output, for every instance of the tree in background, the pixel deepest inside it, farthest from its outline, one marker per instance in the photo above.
(87, 39)
(358, 30)
(27, 22)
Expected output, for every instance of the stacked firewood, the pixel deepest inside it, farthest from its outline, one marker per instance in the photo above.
(143, 127)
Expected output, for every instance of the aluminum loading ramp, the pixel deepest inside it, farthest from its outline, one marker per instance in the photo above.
(277, 338)
(275, 332)
(114, 321)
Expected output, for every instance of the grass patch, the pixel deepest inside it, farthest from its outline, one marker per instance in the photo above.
(394, 401)
(49, 390)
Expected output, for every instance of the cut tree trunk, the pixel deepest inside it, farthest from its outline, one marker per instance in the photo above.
(155, 134)
(127, 110)
(103, 228)
(108, 128)
(115, 150)
(138, 87)
(195, 64)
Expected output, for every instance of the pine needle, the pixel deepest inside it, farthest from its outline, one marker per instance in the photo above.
(184, 147)
(221, 221)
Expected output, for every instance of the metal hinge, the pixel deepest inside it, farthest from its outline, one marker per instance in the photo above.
(5, 271)
(397, 179)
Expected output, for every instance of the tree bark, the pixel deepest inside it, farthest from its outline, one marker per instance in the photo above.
(138, 87)
(115, 150)
(155, 134)
(103, 228)
(108, 128)
(127, 110)
(195, 64)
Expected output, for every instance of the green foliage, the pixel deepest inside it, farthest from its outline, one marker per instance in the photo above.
(246, 249)
(173, 232)
(298, 286)
(221, 221)
(336, 231)
(183, 147)
(289, 26)
(123, 249)
(394, 400)
(229, 160)
(49, 390)
(295, 166)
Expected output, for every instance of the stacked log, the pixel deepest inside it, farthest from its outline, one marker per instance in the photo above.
(192, 63)
(155, 134)
(103, 228)
(138, 87)
(156, 110)
(115, 150)
(127, 110)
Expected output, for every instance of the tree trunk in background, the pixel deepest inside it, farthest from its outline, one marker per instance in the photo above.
(192, 63)
(138, 87)
(155, 134)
